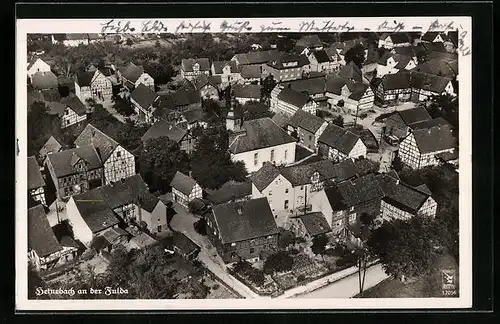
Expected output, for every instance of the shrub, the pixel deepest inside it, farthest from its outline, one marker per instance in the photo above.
(245, 269)
(129, 42)
(278, 262)
(363, 115)
(301, 278)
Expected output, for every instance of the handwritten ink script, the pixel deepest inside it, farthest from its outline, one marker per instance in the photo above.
(117, 26)
(324, 26)
(462, 48)
(236, 27)
(153, 26)
(437, 26)
(199, 26)
(275, 26)
(395, 27)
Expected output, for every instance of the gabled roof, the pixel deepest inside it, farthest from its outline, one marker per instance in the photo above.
(430, 36)
(250, 71)
(334, 84)
(280, 119)
(52, 145)
(395, 81)
(306, 121)
(100, 215)
(357, 89)
(332, 52)
(439, 67)
(63, 162)
(436, 55)
(132, 72)
(84, 78)
(256, 220)
(397, 38)
(75, 104)
(202, 80)
(144, 96)
(311, 86)
(184, 243)
(321, 56)
(35, 179)
(434, 139)
(315, 223)
(301, 174)
(231, 190)
(219, 65)
(259, 133)
(163, 128)
(44, 80)
(429, 123)
(429, 82)
(265, 175)
(414, 115)
(351, 71)
(354, 192)
(104, 144)
(435, 48)
(187, 64)
(77, 36)
(180, 98)
(257, 57)
(295, 98)
(339, 138)
(247, 91)
(41, 238)
(193, 115)
(183, 183)
(284, 58)
(402, 60)
(403, 196)
(405, 50)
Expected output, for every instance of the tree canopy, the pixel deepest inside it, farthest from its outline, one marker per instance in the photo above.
(278, 262)
(159, 160)
(406, 247)
(211, 162)
(319, 244)
(356, 54)
(255, 110)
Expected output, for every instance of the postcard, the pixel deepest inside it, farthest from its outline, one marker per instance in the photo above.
(215, 164)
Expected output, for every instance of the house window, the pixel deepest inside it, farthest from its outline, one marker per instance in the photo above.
(310, 137)
(272, 155)
(352, 217)
(286, 154)
(301, 187)
(270, 192)
(233, 244)
(256, 159)
(118, 154)
(286, 190)
(252, 250)
(286, 204)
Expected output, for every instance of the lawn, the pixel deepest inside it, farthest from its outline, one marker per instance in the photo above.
(422, 287)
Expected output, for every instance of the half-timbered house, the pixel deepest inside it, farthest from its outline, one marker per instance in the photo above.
(338, 144)
(36, 183)
(308, 128)
(185, 189)
(190, 68)
(93, 85)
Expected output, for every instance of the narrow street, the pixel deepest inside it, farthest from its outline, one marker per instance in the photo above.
(349, 286)
(108, 105)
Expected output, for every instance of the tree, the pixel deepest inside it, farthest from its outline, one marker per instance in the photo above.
(356, 54)
(406, 248)
(286, 238)
(319, 244)
(41, 125)
(159, 160)
(445, 106)
(211, 162)
(129, 42)
(122, 106)
(338, 120)
(200, 227)
(268, 85)
(255, 110)
(278, 262)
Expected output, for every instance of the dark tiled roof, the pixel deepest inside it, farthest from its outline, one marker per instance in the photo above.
(405, 50)
(184, 243)
(306, 121)
(231, 190)
(414, 115)
(247, 91)
(180, 98)
(258, 57)
(404, 197)
(435, 48)
(402, 60)
(351, 71)
(52, 145)
(193, 115)
(163, 128)
(321, 56)
(365, 166)
(256, 220)
(429, 123)
(334, 84)
(44, 80)
(144, 96)
(280, 119)
(63, 162)
(35, 179)
(448, 156)
(265, 175)
(84, 78)
(132, 72)
(202, 80)
(315, 224)
(398, 38)
(183, 183)
(354, 192)
(187, 64)
(357, 89)
(396, 81)
(75, 104)
(434, 139)
(51, 94)
(41, 238)
(250, 71)
(339, 138)
(100, 215)
(260, 133)
(104, 144)
(429, 82)
(309, 41)
(312, 86)
(430, 36)
(439, 67)
(219, 65)
(293, 97)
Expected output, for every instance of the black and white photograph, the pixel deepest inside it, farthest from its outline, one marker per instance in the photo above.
(253, 160)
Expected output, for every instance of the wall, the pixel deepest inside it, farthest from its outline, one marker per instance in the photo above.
(197, 192)
(409, 152)
(70, 117)
(38, 66)
(249, 249)
(38, 194)
(283, 154)
(147, 80)
(120, 164)
(81, 231)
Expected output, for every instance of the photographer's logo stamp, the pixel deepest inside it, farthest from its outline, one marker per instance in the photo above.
(449, 282)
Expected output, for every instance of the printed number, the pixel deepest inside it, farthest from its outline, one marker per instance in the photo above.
(449, 292)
